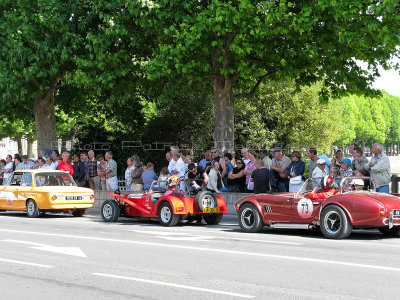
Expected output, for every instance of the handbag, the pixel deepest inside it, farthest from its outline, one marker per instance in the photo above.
(295, 180)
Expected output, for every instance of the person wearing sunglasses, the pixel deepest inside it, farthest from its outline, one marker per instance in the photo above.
(237, 178)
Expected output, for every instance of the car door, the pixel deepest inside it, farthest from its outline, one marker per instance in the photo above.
(275, 208)
(305, 210)
(9, 194)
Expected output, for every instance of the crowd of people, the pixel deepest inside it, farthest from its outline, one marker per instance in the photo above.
(249, 172)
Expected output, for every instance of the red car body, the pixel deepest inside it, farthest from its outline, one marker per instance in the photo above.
(358, 209)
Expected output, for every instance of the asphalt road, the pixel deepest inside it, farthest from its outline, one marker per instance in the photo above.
(62, 257)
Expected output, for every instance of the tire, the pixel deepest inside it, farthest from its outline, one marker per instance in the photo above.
(249, 218)
(212, 219)
(395, 231)
(166, 215)
(78, 213)
(32, 210)
(110, 211)
(205, 199)
(335, 223)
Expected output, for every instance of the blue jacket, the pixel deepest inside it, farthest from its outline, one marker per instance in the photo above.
(298, 168)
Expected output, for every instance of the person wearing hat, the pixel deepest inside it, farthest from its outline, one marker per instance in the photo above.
(320, 171)
(345, 169)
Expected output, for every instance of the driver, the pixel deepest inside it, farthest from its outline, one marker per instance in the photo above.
(327, 189)
(198, 177)
(173, 187)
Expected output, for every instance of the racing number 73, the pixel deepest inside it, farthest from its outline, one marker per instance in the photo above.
(305, 208)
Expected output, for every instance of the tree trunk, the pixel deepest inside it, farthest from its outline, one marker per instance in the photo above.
(19, 143)
(45, 120)
(224, 105)
(30, 148)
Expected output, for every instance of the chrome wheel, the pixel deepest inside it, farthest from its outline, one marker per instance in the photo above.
(30, 208)
(247, 218)
(208, 201)
(107, 211)
(332, 222)
(165, 214)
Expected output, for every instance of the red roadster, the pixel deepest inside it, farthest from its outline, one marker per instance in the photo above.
(169, 206)
(354, 204)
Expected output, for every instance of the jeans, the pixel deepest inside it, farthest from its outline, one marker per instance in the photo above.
(383, 189)
(278, 184)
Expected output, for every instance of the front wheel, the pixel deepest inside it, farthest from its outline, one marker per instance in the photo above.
(79, 213)
(110, 211)
(213, 219)
(395, 231)
(32, 209)
(166, 215)
(250, 219)
(334, 223)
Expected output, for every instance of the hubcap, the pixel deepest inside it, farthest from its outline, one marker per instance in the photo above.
(247, 218)
(107, 211)
(31, 208)
(165, 214)
(208, 201)
(332, 222)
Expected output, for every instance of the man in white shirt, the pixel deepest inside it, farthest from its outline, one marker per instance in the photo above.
(319, 171)
(245, 154)
(179, 167)
(8, 168)
(172, 162)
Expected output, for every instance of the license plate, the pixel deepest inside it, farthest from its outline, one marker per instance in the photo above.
(210, 210)
(73, 198)
(396, 213)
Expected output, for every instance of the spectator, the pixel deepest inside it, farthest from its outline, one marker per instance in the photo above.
(249, 169)
(206, 161)
(216, 158)
(111, 172)
(179, 166)
(148, 176)
(197, 175)
(92, 171)
(55, 155)
(295, 172)
(233, 160)
(229, 167)
(50, 165)
(345, 169)
(8, 168)
(360, 163)
(267, 162)
(26, 164)
(101, 167)
(245, 155)
(335, 174)
(183, 154)
(128, 173)
(259, 177)
(380, 169)
(84, 159)
(2, 167)
(41, 163)
(137, 181)
(335, 161)
(168, 157)
(278, 178)
(172, 163)
(237, 178)
(271, 155)
(41, 154)
(320, 170)
(65, 165)
(16, 163)
(351, 150)
(215, 183)
(312, 164)
(79, 171)
(188, 161)
(163, 178)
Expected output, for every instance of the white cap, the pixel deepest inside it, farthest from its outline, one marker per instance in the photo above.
(321, 161)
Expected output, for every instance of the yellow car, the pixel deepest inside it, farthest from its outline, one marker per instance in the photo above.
(38, 191)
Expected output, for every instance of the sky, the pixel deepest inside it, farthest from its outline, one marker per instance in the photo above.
(389, 81)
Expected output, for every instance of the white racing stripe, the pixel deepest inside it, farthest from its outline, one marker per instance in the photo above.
(24, 263)
(215, 250)
(180, 286)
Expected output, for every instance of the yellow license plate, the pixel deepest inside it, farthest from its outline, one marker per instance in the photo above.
(210, 210)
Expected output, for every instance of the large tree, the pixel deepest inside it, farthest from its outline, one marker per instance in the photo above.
(239, 43)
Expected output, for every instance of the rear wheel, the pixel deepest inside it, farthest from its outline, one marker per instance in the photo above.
(78, 213)
(205, 199)
(213, 219)
(334, 223)
(32, 209)
(395, 231)
(166, 215)
(250, 219)
(110, 211)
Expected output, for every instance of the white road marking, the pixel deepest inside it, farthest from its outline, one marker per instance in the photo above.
(240, 253)
(73, 251)
(174, 285)
(24, 263)
(168, 235)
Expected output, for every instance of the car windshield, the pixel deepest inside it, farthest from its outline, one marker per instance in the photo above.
(310, 185)
(54, 179)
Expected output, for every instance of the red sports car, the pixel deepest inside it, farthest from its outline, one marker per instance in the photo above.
(355, 204)
(169, 206)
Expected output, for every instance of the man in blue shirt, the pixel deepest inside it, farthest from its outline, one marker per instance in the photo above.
(148, 176)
